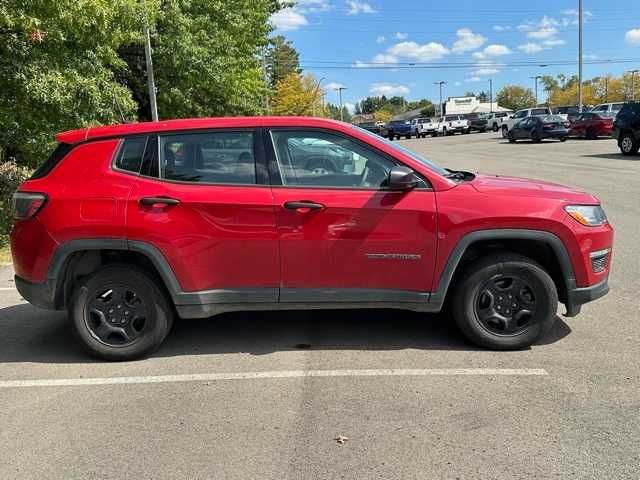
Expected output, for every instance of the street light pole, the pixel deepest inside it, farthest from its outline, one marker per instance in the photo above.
(340, 89)
(580, 99)
(440, 83)
(490, 95)
(633, 84)
(150, 80)
(536, 88)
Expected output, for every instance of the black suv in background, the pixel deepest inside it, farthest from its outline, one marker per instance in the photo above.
(477, 122)
(626, 128)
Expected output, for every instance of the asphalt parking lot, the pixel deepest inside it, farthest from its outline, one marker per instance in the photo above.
(430, 406)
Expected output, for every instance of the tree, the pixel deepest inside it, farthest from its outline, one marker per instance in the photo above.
(333, 111)
(514, 97)
(206, 58)
(297, 94)
(57, 69)
(281, 59)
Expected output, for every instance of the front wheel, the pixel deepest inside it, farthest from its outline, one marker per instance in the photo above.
(505, 131)
(119, 313)
(505, 302)
(495, 127)
(511, 138)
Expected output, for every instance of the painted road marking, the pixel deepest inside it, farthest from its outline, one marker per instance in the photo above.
(7, 289)
(212, 377)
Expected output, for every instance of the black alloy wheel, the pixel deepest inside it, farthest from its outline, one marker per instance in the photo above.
(116, 315)
(505, 305)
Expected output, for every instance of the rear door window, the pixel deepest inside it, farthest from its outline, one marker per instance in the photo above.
(223, 157)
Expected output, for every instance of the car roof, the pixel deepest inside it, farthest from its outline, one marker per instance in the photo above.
(109, 131)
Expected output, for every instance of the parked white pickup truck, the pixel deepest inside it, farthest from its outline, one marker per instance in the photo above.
(494, 120)
(424, 126)
(450, 124)
(511, 120)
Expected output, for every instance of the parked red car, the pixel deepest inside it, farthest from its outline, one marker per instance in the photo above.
(591, 126)
(128, 226)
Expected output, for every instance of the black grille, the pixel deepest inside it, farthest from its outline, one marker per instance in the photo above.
(599, 263)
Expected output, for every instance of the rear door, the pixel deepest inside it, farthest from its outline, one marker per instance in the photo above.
(204, 202)
(343, 237)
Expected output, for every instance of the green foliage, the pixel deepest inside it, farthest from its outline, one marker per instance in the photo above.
(281, 59)
(333, 111)
(393, 106)
(514, 97)
(297, 95)
(11, 176)
(57, 64)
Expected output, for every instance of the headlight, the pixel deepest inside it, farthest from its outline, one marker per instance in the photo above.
(589, 215)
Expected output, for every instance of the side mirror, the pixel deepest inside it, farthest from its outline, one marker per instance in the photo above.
(402, 179)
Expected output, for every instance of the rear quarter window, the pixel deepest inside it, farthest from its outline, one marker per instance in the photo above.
(54, 159)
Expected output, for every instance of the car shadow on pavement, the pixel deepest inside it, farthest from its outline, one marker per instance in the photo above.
(615, 156)
(39, 336)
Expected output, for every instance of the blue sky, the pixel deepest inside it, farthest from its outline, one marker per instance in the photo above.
(462, 42)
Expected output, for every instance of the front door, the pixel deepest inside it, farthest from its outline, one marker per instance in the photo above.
(204, 202)
(343, 237)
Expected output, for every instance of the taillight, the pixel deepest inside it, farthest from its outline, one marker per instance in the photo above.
(27, 204)
(547, 126)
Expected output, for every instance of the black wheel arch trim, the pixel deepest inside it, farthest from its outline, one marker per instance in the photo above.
(550, 239)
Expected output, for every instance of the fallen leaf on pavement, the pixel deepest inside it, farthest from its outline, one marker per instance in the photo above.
(341, 439)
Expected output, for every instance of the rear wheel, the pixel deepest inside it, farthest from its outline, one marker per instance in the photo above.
(505, 302)
(591, 134)
(511, 137)
(120, 313)
(495, 127)
(505, 131)
(628, 144)
(535, 137)
(444, 131)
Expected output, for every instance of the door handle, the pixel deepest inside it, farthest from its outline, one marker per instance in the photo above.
(303, 204)
(150, 201)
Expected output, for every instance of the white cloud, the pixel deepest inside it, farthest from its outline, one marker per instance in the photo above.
(388, 89)
(501, 28)
(531, 48)
(633, 36)
(333, 86)
(288, 19)
(414, 51)
(402, 36)
(312, 6)
(486, 71)
(384, 58)
(457, 84)
(380, 39)
(492, 51)
(473, 79)
(356, 7)
(546, 28)
(554, 42)
(351, 107)
(467, 40)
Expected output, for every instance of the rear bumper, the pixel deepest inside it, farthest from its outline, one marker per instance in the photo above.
(39, 294)
(578, 296)
(554, 134)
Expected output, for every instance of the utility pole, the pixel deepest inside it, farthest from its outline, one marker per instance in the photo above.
(606, 89)
(440, 83)
(633, 84)
(340, 89)
(580, 99)
(536, 90)
(490, 95)
(150, 81)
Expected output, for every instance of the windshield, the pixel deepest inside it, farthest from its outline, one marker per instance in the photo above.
(428, 163)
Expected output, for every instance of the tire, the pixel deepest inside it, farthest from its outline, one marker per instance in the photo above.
(535, 137)
(505, 131)
(628, 144)
(483, 130)
(408, 137)
(444, 131)
(132, 290)
(477, 299)
(495, 127)
(590, 134)
(511, 138)
(563, 139)
(434, 134)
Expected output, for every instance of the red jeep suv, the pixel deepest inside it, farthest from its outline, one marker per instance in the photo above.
(130, 226)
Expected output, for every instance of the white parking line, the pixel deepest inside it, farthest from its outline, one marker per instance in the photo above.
(8, 289)
(212, 377)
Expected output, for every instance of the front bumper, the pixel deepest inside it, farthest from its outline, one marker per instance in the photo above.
(578, 296)
(39, 294)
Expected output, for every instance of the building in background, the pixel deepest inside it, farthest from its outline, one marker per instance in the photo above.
(466, 105)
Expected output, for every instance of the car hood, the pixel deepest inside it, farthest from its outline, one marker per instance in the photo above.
(526, 187)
